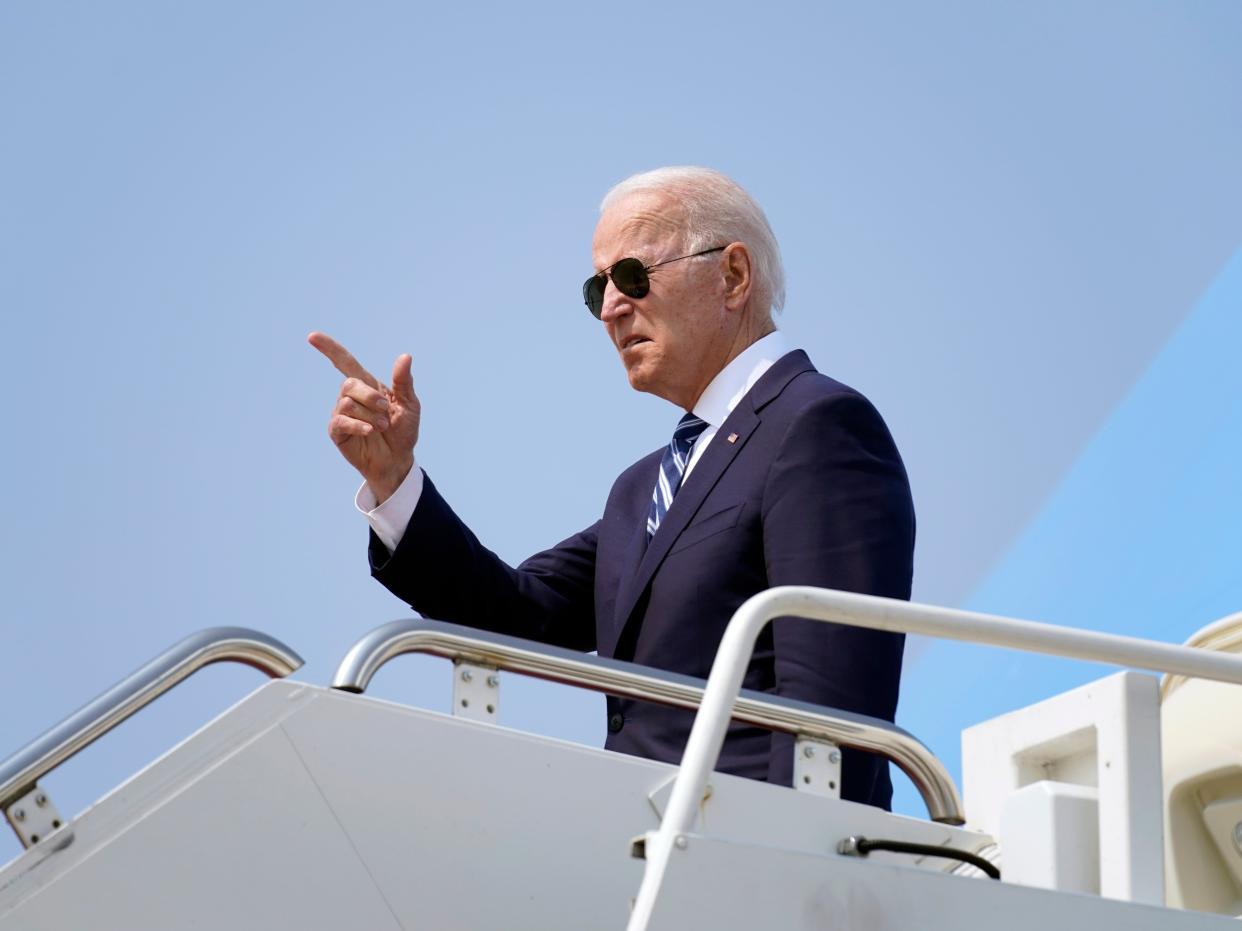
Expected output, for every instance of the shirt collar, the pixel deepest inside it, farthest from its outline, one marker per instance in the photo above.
(738, 377)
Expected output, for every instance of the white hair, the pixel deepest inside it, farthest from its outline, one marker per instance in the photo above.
(717, 211)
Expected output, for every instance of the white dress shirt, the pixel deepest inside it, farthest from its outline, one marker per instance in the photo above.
(730, 386)
(717, 401)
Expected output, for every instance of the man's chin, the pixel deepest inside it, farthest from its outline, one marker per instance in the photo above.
(639, 377)
(644, 381)
(644, 375)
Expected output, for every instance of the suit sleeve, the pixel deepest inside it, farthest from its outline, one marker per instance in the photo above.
(442, 571)
(837, 513)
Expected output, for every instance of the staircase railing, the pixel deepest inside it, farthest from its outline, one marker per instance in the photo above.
(628, 680)
(819, 604)
(29, 810)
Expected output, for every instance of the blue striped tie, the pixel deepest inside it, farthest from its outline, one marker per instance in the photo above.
(672, 468)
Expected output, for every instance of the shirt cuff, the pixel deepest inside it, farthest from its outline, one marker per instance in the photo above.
(390, 519)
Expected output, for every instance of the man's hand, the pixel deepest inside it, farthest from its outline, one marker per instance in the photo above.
(375, 427)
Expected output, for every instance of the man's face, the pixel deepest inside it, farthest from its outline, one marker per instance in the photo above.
(674, 340)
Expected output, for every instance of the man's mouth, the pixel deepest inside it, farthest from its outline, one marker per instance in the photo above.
(633, 341)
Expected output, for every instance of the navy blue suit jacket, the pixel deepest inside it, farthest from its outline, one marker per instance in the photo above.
(811, 492)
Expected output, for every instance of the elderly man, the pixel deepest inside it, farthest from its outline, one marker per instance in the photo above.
(775, 475)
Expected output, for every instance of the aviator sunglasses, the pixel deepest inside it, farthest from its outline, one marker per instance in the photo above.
(630, 278)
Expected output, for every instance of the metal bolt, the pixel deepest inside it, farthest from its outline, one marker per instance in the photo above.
(493, 681)
(808, 752)
(681, 842)
(19, 814)
(465, 675)
(834, 757)
(1237, 836)
(40, 799)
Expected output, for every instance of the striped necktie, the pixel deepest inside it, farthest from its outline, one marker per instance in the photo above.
(672, 468)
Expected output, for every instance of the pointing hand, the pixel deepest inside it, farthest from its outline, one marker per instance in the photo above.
(374, 426)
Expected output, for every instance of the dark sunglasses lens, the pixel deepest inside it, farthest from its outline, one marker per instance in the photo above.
(631, 278)
(593, 293)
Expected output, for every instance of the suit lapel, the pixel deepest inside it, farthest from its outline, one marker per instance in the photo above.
(706, 473)
(628, 564)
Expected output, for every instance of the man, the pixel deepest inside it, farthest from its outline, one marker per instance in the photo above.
(777, 475)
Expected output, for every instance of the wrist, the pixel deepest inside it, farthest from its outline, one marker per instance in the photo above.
(384, 486)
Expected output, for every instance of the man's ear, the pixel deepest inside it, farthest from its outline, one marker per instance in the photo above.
(737, 276)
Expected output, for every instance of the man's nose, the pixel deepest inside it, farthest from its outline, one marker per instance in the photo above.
(615, 304)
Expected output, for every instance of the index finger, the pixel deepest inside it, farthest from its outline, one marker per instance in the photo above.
(341, 358)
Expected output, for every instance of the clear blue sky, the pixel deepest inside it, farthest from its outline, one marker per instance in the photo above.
(996, 219)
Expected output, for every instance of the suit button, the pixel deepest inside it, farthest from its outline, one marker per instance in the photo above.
(615, 723)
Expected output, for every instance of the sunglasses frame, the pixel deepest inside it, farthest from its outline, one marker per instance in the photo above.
(636, 290)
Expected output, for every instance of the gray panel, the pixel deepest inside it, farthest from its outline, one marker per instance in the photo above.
(725, 886)
(467, 825)
(115, 812)
(250, 844)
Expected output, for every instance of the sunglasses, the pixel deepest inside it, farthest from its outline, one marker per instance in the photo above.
(629, 276)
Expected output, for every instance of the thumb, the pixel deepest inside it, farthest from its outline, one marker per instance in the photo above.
(403, 378)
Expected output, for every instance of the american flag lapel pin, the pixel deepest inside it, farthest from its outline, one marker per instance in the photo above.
(732, 437)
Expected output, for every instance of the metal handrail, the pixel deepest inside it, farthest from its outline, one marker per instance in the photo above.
(90, 722)
(633, 681)
(707, 735)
